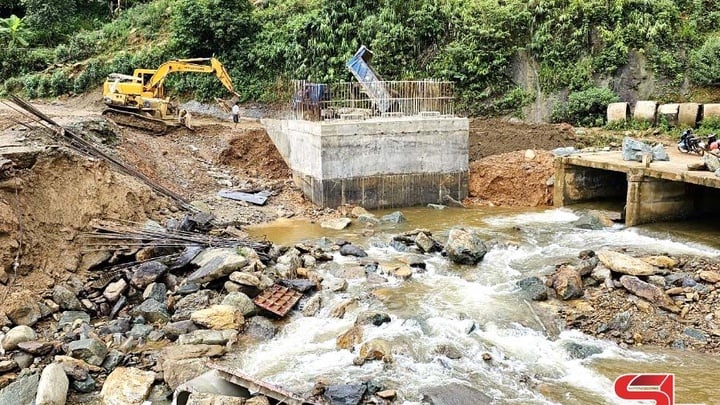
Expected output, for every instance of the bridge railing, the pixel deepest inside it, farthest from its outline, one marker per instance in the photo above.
(355, 101)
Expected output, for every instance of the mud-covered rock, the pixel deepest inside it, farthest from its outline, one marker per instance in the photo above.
(567, 283)
(127, 386)
(349, 338)
(649, 292)
(624, 264)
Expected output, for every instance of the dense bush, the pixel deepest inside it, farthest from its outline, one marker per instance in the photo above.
(705, 63)
(585, 108)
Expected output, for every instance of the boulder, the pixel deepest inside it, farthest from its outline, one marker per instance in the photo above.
(114, 290)
(624, 264)
(581, 351)
(312, 305)
(216, 263)
(246, 279)
(16, 335)
(179, 368)
(147, 273)
(593, 220)
(426, 243)
(403, 272)
(152, 311)
(174, 329)
(352, 250)
(36, 348)
(53, 386)
(240, 301)
(90, 350)
(346, 394)
(649, 292)
(219, 317)
(663, 262)
(350, 338)
(66, 299)
(455, 394)
(709, 276)
(396, 217)
(22, 391)
(533, 288)
(22, 308)
(337, 224)
(567, 283)
(711, 161)
(191, 303)
(84, 386)
(208, 337)
(372, 317)
(189, 352)
(260, 328)
(126, 386)
(374, 349)
(465, 247)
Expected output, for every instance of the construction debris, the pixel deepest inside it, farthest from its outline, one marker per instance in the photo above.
(258, 198)
(277, 299)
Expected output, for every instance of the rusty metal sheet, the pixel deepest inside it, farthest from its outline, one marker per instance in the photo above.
(277, 299)
(254, 385)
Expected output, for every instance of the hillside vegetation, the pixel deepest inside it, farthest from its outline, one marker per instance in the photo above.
(580, 46)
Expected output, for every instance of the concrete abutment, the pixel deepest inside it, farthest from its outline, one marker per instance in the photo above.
(376, 163)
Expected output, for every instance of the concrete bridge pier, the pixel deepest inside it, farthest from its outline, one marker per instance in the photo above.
(652, 200)
(663, 191)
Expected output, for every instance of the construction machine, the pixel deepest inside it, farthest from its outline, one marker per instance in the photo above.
(139, 100)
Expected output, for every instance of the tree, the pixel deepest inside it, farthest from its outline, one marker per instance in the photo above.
(13, 30)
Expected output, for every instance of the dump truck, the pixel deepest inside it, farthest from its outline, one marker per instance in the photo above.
(139, 100)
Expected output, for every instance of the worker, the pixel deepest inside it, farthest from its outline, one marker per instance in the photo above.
(236, 113)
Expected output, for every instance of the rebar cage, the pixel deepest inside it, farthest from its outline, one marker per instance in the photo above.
(356, 101)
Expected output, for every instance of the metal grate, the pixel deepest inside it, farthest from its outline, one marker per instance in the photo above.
(277, 299)
(352, 100)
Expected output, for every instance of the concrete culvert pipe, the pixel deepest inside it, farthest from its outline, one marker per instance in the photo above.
(618, 112)
(711, 111)
(645, 111)
(669, 112)
(689, 114)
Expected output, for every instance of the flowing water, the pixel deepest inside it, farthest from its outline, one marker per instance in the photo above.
(476, 310)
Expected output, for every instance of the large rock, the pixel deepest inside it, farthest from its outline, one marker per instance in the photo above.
(216, 263)
(624, 264)
(71, 318)
(219, 317)
(189, 352)
(90, 350)
(177, 372)
(260, 328)
(22, 391)
(426, 243)
(208, 337)
(352, 250)
(346, 394)
(465, 247)
(17, 335)
(567, 283)
(337, 224)
(147, 273)
(649, 292)
(53, 386)
(114, 290)
(372, 317)
(396, 217)
(152, 311)
(533, 288)
(711, 161)
(22, 308)
(174, 329)
(633, 150)
(240, 301)
(127, 386)
(66, 299)
(455, 394)
(191, 303)
(156, 291)
(593, 220)
(374, 349)
(350, 338)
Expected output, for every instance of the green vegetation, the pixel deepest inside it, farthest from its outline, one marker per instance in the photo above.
(572, 47)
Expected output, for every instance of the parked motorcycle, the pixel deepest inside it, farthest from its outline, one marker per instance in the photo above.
(689, 143)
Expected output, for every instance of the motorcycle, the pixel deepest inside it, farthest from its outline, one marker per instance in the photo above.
(689, 143)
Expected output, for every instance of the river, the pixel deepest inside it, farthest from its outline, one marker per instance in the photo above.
(477, 310)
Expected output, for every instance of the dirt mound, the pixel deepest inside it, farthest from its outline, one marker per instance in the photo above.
(254, 154)
(46, 207)
(495, 136)
(512, 179)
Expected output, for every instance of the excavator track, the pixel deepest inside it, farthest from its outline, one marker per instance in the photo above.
(135, 120)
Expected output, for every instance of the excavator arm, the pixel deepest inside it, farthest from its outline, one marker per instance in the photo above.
(190, 65)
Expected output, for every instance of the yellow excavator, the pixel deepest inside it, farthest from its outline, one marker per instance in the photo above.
(139, 100)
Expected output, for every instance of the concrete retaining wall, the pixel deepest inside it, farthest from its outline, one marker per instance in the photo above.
(384, 162)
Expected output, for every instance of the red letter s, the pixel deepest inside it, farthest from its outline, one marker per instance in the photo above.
(658, 387)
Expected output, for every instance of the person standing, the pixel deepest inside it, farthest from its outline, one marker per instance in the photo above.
(236, 113)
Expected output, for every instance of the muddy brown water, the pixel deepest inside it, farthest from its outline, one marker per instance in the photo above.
(477, 309)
